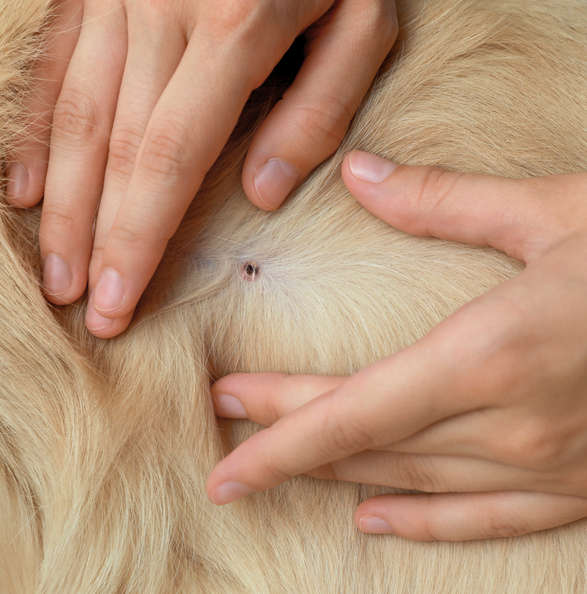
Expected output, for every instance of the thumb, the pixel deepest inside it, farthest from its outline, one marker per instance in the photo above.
(510, 215)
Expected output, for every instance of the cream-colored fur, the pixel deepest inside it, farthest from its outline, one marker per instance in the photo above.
(105, 446)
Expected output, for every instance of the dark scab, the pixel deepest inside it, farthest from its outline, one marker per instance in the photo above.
(249, 271)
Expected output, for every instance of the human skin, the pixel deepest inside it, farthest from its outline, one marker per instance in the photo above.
(133, 103)
(495, 431)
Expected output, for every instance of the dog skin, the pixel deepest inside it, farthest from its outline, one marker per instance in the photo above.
(105, 447)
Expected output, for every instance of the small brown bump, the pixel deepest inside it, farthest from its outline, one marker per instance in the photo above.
(249, 271)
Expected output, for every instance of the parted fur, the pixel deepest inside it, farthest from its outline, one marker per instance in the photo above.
(105, 446)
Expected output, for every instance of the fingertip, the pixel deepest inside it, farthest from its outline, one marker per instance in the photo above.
(228, 492)
(391, 514)
(102, 327)
(373, 525)
(109, 293)
(25, 183)
(367, 177)
(228, 406)
(60, 285)
(364, 167)
(269, 183)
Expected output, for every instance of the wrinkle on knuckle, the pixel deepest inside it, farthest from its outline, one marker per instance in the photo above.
(128, 235)
(434, 189)
(76, 117)
(124, 147)
(416, 473)
(163, 154)
(230, 18)
(160, 7)
(499, 524)
(57, 219)
(324, 121)
(344, 435)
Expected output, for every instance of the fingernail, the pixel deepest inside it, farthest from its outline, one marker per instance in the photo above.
(56, 275)
(109, 291)
(95, 322)
(374, 525)
(370, 168)
(230, 491)
(229, 406)
(18, 181)
(274, 181)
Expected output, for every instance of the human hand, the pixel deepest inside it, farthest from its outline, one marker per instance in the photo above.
(487, 413)
(146, 94)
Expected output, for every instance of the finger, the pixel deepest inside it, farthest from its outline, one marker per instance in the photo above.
(79, 145)
(467, 516)
(507, 214)
(307, 126)
(431, 473)
(188, 128)
(102, 327)
(28, 167)
(266, 397)
(151, 62)
(379, 405)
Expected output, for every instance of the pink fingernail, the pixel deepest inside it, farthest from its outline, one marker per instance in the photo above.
(109, 291)
(230, 491)
(229, 406)
(274, 181)
(370, 168)
(374, 525)
(56, 275)
(18, 181)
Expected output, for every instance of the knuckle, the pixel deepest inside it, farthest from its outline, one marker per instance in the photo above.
(535, 445)
(344, 435)
(76, 116)
(163, 153)
(499, 524)
(230, 18)
(381, 21)
(416, 473)
(123, 150)
(157, 16)
(131, 236)
(160, 6)
(324, 122)
(500, 361)
(435, 187)
(56, 220)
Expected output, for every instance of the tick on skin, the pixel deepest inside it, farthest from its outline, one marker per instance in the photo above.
(249, 271)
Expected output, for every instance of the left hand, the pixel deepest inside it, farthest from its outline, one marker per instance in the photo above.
(487, 413)
(132, 103)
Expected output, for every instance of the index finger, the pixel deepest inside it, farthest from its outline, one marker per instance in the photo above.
(381, 404)
(187, 130)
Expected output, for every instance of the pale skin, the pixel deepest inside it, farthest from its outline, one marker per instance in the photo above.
(129, 113)
(487, 413)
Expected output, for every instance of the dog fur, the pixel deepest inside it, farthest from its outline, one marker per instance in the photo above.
(105, 446)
